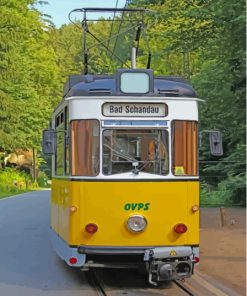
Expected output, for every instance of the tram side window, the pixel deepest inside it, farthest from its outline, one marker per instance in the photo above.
(85, 147)
(67, 162)
(60, 145)
(184, 147)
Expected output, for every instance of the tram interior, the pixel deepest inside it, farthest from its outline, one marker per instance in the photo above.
(143, 150)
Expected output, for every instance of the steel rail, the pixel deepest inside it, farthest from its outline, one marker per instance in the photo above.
(96, 282)
(181, 286)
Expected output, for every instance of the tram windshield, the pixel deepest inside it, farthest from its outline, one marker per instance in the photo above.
(145, 149)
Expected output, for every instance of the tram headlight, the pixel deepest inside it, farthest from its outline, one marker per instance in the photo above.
(136, 223)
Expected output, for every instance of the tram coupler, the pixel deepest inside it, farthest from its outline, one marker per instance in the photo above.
(159, 271)
(163, 269)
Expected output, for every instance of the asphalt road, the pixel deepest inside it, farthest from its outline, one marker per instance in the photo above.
(28, 265)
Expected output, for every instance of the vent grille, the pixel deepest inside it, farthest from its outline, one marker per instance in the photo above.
(100, 91)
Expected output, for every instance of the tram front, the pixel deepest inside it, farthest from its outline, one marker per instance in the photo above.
(132, 187)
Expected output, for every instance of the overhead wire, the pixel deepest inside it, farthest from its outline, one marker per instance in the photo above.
(114, 15)
(103, 43)
(112, 24)
(99, 43)
(119, 27)
(69, 17)
(107, 48)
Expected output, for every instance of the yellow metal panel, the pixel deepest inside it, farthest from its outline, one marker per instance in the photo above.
(54, 205)
(109, 204)
(193, 217)
(60, 203)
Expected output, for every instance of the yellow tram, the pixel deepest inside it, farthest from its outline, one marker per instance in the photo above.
(125, 188)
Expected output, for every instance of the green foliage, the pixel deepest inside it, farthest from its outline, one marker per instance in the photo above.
(42, 180)
(214, 198)
(28, 75)
(13, 181)
(228, 192)
(204, 41)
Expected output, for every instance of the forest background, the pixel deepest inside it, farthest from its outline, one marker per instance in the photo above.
(201, 40)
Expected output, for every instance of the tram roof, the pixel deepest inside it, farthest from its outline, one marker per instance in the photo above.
(105, 85)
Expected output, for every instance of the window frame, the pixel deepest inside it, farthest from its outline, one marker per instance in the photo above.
(60, 129)
(67, 152)
(133, 128)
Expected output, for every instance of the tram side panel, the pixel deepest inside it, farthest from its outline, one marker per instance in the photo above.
(61, 201)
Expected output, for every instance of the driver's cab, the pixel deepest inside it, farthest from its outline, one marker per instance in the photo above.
(144, 149)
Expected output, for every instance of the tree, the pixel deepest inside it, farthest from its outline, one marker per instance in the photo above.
(210, 36)
(28, 75)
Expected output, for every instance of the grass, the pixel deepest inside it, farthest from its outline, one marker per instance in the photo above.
(5, 194)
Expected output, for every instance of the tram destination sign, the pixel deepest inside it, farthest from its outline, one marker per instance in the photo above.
(134, 109)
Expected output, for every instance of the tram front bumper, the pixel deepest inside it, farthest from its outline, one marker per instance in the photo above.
(155, 252)
(164, 263)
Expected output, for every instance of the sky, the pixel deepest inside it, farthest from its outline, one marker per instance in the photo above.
(59, 9)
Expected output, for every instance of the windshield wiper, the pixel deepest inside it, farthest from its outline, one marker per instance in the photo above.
(125, 155)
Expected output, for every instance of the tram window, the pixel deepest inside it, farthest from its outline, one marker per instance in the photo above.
(85, 147)
(57, 121)
(184, 146)
(60, 150)
(66, 142)
(123, 147)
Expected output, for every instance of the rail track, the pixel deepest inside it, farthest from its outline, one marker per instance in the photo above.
(115, 282)
(184, 288)
(96, 282)
(111, 283)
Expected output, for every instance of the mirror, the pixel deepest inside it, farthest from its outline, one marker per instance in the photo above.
(49, 142)
(215, 139)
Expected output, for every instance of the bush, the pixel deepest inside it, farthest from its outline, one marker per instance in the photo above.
(214, 197)
(236, 185)
(230, 192)
(12, 180)
(42, 180)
